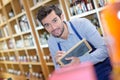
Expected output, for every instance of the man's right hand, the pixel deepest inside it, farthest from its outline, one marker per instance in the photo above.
(58, 55)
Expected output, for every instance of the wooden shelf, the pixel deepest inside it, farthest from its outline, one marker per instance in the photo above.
(1, 62)
(20, 14)
(84, 14)
(15, 77)
(40, 28)
(20, 49)
(18, 34)
(39, 4)
(26, 32)
(3, 24)
(50, 64)
(30, 48)
(31, 63)
(8, 50)
(11, 62)
(6, 2)
(44, 46)
(5, 38)
(11, 19)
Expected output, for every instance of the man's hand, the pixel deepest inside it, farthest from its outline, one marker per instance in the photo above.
(58, 55)
(74, 60)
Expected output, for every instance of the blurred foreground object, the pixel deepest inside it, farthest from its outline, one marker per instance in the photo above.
(83, 71)
(111, 24)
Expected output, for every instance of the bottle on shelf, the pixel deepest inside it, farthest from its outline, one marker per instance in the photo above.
(1, 33)
(29, 73)
(80, 6)
(17, 29)
(11, 13)
(24, 23)
(43, 38)
(90, 5)
(102, 3)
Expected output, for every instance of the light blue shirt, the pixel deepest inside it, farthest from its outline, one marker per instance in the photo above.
(86, 30)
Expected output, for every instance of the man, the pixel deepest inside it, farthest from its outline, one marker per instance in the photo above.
(65, 34)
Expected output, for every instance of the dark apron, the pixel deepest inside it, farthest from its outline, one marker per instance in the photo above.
(102, 69)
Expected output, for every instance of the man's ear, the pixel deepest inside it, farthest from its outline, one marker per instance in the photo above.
(62, 17)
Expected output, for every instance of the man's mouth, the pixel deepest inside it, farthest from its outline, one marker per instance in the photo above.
(56, 31)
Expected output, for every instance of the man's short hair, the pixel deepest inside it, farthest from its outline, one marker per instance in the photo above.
(46, 10)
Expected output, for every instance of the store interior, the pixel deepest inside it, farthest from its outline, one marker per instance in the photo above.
(24, 52)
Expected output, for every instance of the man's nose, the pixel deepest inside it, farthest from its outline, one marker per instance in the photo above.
(53, 26)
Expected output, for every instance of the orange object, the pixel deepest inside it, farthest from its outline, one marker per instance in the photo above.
(111, 23)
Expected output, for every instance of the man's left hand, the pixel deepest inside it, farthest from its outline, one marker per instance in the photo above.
(74, 60)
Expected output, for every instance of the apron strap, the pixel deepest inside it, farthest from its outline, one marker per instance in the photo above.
(78, 35)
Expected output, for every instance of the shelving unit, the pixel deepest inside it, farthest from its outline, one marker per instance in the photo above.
(19, 55)
(87, 8)
(24, 52)
(42, 34)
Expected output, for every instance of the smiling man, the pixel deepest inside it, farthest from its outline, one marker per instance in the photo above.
(65, 34)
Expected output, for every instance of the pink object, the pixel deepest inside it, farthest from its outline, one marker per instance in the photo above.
(83, 71)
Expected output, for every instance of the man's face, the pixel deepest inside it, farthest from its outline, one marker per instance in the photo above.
(53, 24)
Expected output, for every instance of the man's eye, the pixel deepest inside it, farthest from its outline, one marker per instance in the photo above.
(55, 20)
(46, 25)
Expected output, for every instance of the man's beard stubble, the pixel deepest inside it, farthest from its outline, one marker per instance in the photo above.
(58, 36)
